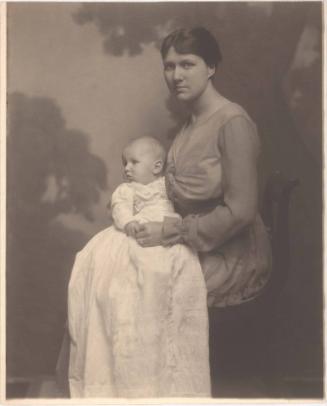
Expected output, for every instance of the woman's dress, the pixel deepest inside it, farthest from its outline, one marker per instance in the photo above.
(211, 171)
(137, 316)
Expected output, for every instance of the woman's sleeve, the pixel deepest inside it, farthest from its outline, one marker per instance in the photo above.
(239, 146)
(122, 206)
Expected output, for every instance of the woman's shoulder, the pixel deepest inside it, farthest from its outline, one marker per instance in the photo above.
(231, 110)
(237, 124)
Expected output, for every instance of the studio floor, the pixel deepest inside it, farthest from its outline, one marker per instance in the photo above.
(46, 387)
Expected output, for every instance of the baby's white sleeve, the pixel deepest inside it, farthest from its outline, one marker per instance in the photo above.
(122, 205)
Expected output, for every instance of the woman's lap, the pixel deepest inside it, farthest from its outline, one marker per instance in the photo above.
(237, 336)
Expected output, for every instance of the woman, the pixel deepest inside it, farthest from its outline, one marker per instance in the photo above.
(211, 177)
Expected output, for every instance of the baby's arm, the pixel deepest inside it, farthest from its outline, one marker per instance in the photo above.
(122, 209)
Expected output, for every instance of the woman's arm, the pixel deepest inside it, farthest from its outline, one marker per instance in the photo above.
(239, 146)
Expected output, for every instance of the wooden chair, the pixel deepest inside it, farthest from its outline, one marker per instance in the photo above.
(275, 213)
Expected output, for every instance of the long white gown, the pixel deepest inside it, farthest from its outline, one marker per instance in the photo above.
(137, 316)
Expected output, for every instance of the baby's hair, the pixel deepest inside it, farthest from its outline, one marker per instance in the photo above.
(154, 144)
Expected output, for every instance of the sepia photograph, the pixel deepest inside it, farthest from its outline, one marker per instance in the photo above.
(163, 201)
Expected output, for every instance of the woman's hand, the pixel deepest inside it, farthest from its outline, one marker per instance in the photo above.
(149, 234)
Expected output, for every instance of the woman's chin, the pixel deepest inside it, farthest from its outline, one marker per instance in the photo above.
(184, 97)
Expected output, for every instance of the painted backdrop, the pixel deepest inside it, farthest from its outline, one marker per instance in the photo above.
(85, 78)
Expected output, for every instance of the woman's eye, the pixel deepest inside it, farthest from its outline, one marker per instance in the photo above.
(187, 65)
(168, 67)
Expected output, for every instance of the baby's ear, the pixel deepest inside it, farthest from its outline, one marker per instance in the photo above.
(158, 167)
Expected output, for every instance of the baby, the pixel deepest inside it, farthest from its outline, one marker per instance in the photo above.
(138, 316)
(144, 192)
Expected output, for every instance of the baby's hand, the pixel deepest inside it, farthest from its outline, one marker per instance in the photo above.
(132, 228)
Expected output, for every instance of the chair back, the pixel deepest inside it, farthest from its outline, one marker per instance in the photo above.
(275, 214)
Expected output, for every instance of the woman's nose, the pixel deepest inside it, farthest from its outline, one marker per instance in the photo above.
(177, 74)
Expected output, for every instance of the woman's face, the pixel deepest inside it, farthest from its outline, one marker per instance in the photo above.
(186, 75)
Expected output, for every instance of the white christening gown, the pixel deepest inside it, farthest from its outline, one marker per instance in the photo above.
(137, 316)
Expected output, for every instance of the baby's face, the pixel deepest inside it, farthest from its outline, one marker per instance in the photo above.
(138, 162)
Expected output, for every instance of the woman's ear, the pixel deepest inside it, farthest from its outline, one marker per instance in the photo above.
(158, 167)
(211, 71)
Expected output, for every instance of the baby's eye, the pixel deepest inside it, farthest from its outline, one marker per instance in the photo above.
(135, 161)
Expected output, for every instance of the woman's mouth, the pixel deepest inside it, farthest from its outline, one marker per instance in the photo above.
(180, 88)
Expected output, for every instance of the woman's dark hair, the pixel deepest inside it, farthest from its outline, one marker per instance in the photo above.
(198, 41)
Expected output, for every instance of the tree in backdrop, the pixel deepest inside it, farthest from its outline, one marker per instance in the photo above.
(50, 171)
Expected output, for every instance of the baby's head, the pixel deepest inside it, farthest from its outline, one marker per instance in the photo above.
(143, 160)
